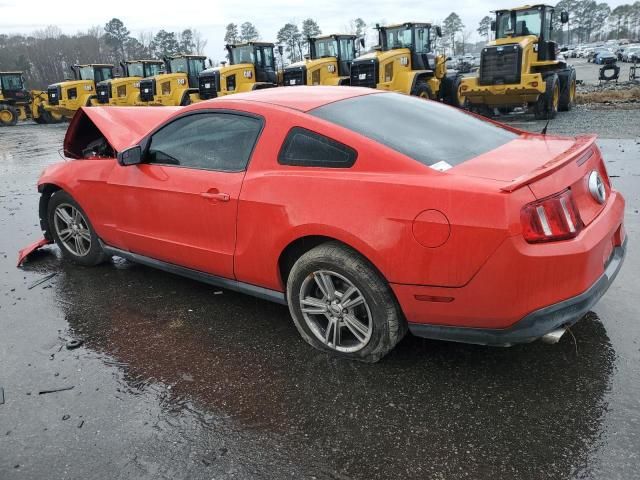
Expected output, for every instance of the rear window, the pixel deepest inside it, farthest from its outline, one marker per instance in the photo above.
(429, 132)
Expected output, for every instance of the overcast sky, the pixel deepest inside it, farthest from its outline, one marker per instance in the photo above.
(210, 17)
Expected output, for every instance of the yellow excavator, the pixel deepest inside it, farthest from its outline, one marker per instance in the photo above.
(17, 103)
(178, 85)
(125, 90)
(65, 98)
(328, 62)
(404, 61)
(522, 66)
(251, 67)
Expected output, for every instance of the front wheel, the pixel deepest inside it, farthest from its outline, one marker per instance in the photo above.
(546, 107)
(72, 231)
(422, 90)
(8, 115)
(341, 304)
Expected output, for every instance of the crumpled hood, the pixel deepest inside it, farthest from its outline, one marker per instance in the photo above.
(123, 127)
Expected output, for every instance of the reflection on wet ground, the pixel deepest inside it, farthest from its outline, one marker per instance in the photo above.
(179, 380)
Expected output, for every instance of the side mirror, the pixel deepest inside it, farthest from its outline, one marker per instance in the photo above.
(493, 25)
(438, 31)
(130, 156)
(210, 63)
(280, 50)
(564, 17)
(362, 42)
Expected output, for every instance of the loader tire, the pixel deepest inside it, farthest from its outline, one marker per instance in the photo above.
(8, 115)
(546, 107)
(422, 90)
(567, 90)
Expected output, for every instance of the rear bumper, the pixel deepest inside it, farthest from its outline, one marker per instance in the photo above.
(535, 324)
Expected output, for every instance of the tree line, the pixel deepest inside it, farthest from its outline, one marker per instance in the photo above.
(46, 55)
(291, 37)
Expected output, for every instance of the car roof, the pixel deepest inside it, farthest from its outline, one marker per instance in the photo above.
(302, 98)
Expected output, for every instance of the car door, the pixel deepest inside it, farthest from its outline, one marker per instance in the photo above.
(180, 204)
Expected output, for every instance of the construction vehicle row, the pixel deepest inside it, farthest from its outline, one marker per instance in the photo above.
(520, 68)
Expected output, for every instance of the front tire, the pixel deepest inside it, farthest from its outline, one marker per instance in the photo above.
(422, 90)
(341, 304)
(568, 92)
(72, 231)
(546, 107)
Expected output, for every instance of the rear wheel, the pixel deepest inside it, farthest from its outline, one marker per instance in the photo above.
(546, 107)
(568, 91)
(341, 304)
(454, 95)
(48, 117)
(8, 115)
(186, 100)
(72, 231)
(422, 90)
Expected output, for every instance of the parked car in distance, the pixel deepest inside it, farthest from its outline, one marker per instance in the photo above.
(364, 224)
(603, 58)
(631, 53)
(595, 52)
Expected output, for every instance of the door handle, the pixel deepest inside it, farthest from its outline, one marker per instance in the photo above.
(220, 197)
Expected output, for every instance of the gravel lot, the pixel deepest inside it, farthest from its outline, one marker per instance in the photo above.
(176, 380)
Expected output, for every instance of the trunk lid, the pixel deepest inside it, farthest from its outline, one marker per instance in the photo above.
(546, 165)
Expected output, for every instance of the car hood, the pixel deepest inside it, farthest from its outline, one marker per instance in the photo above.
(122, 127)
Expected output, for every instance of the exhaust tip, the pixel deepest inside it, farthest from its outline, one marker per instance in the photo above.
(554, 336)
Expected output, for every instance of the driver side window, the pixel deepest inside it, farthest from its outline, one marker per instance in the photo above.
(206, 141)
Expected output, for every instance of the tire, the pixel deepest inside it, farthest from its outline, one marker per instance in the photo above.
(59, 227)
(380, 325)
(8, 115)
(422, 90)
(452, 94)
(186, 100)
(47, 117)
(546, 107)
(567, 91)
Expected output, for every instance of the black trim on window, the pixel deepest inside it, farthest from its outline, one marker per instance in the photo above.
(145, 143)
(298, 150)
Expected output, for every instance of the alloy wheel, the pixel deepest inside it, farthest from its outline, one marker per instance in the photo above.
(72, 229)
(336, 311)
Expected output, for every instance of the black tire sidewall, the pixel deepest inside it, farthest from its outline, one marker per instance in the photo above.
(380, 300)
(96, 255)
(544, 109)
(422, 87)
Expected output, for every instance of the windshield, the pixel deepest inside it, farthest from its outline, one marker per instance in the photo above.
(517, 23)
(152, 69)
(86, 73)
(242, 55)
(398, 37)
(428, 132)
(11, 82)
(135, 69)
(327, 47)
(178, 65)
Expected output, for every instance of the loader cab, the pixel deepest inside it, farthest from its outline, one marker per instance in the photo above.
(416, 37)
(94, 72)
(191, 65)
(141, 68)
(258, 54)
(340, 47)
(12, 86)
(536, 20)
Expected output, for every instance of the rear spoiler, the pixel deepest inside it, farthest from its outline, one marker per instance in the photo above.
(583, 147)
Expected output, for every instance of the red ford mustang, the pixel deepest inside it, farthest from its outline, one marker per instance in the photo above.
(365, 212)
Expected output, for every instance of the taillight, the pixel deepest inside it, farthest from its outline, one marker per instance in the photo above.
(550, 219)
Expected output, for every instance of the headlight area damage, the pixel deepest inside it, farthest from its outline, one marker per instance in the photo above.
(91, 136)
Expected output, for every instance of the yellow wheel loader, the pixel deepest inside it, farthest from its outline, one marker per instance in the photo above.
(65, 98)
(404, 61)
(125, 90)
(17, 103)
(178, 85)
(522, 67)
(328, 62)
(251, 67)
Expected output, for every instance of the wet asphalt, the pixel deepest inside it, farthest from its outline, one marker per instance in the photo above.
(177, 379)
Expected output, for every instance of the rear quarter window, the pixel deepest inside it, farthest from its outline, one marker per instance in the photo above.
(304, 148)
(429, 132)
